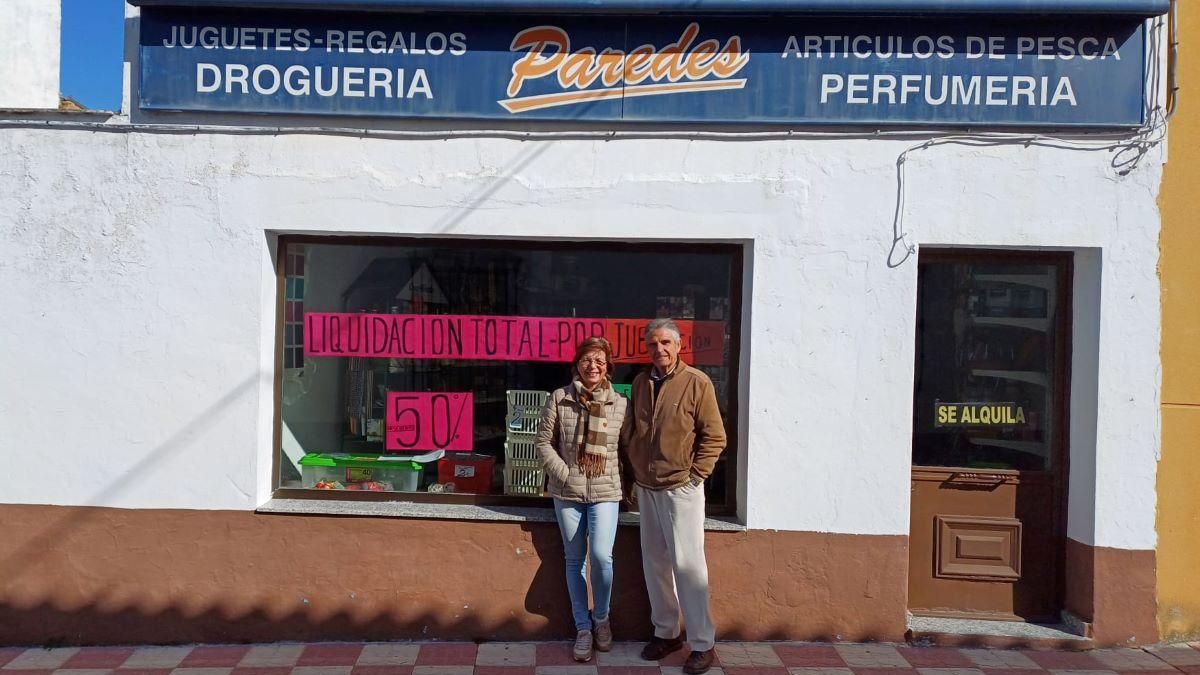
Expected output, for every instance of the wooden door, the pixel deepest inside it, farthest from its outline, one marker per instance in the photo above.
(989, 440)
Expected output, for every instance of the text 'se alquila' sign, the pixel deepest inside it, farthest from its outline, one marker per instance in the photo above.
(978, 414)
(1085, 71)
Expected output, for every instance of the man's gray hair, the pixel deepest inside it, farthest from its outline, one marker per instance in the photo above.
(663, 324)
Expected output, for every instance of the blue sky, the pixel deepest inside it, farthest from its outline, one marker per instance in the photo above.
(92, 51)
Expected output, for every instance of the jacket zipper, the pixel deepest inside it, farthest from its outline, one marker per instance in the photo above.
(656, 401)
(587, 481)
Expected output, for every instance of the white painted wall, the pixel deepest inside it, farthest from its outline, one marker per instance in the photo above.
(29, 54)
(139, 295)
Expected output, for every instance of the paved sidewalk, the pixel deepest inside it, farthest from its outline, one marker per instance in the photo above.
(554, 658)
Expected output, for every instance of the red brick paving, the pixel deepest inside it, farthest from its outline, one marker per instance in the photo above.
(935, 657)
(884, 671)
(506, 670)
(792, 655)
(382, 670)
(214, 656)
(754, 670)
(98, 657)
(9, 653)
(809, 656)
(259, 670)
(554, 654)
(447, 654)
(330, 655)
(1065, 660)
(648, 669)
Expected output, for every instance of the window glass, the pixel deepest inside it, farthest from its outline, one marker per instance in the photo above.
(985, 366)
(422, 367)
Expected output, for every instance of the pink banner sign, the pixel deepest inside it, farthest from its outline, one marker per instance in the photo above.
(495, 338)
(419, 421)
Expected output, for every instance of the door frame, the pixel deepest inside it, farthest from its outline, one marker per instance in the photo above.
(1060, 440)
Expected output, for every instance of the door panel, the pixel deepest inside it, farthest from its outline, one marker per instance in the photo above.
(1008, 568)
(977, 548)
(988, 448)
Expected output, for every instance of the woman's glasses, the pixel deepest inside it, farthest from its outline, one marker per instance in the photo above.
(599, 363)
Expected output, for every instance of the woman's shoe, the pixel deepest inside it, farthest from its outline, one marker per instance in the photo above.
(583, 646)
(603, 635)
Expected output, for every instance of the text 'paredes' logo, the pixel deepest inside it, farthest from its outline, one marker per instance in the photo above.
(646, 70)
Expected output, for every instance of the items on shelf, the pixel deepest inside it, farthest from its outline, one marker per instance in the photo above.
(522, 453)
(360, 472)
(523, 474)
(465, 472)
(360, 385)
(523, 481)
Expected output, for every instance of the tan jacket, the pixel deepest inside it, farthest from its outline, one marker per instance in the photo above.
(556, 443)
(681, 435)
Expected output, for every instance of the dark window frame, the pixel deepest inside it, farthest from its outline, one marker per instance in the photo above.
(1062, 343)
(734, 249)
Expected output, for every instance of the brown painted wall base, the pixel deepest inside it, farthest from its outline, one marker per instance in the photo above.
(76, 575)
(1114, 590)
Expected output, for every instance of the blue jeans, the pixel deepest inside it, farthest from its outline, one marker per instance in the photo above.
(587, 527)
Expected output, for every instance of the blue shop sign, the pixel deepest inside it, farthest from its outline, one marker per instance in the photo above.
(1079, 71)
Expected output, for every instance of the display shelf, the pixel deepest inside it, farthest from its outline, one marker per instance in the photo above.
(1030, 376)
(1043, 281)
(1042, 325)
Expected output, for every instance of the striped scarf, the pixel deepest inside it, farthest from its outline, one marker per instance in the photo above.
(592, 446)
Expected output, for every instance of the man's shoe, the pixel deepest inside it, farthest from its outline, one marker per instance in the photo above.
(583, 646)
(699, 662)
(602, 632)
(658, 647)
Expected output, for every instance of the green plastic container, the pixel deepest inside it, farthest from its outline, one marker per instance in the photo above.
(360, 472)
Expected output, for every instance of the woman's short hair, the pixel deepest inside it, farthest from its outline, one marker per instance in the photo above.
(593, 344)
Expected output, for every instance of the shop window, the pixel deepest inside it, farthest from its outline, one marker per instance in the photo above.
(427, 362)
(293, 308)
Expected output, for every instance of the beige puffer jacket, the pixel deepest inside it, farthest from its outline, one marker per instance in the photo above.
(556, 443)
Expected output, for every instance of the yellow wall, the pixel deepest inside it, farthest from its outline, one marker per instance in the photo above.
(1179, 470)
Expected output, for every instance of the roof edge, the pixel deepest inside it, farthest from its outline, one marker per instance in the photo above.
(1139, 8)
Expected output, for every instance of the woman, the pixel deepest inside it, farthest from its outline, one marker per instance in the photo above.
(577, 439)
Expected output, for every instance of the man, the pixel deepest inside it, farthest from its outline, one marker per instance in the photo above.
(672, 441)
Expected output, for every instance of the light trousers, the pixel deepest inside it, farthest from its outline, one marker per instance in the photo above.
(672, 529)
(588, 528)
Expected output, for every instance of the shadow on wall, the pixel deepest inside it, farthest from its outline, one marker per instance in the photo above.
(114, 576)
(129, 606)
(130, 626)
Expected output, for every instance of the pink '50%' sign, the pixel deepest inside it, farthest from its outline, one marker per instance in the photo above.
(418, 421)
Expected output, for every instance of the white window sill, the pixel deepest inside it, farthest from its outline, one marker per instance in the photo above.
(519, 514)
